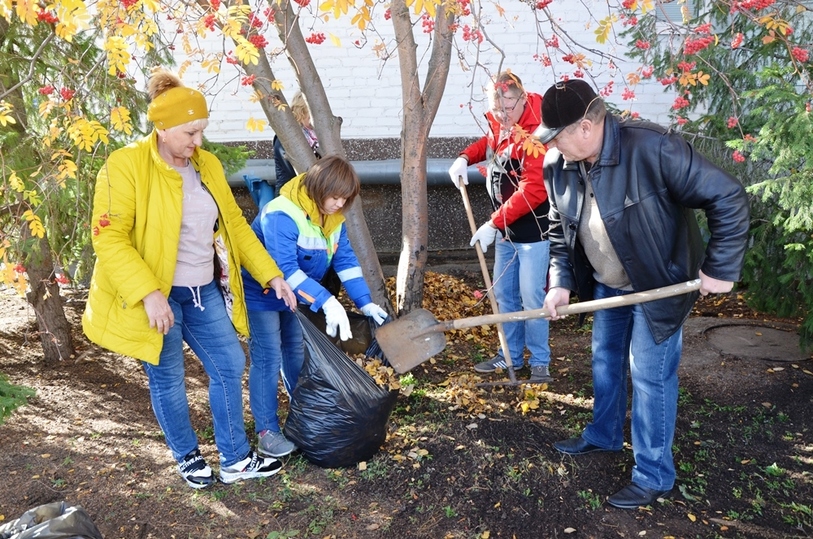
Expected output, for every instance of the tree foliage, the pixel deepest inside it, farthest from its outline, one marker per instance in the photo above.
(741, 73)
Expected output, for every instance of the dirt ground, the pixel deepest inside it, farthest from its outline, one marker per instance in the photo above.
(459, 461)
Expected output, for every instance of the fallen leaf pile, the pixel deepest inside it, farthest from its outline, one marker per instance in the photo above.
(450, 298)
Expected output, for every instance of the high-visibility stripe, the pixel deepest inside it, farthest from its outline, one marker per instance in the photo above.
(297, 278)
(350, 273)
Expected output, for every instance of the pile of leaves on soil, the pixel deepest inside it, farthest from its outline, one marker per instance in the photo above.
(460, 461)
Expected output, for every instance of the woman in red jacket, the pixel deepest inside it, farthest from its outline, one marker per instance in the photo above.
(520, 219)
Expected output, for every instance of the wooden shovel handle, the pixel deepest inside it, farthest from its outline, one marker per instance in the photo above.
(575, 308)
(492, 298)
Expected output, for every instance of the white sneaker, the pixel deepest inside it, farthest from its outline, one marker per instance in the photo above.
(251, 467)
(274, 444)
(195, 471)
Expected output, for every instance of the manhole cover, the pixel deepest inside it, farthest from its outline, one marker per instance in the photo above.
(756, 342)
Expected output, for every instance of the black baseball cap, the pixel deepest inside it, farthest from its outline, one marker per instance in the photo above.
(564, 103)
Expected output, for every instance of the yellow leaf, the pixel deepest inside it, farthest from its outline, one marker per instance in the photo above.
(692, 517)
(120, 120)
(211, 65)
(277, 85)
(605, 26)
(15, 182)
(246, 52)
(633, 78)
(67, 169)
(118, 55)
(27, 11)
(255, 125)
(703, 78)
(5, 114)
(647, 5)
(338, 7)
(34, 223)
(335, 40)
(45, 108)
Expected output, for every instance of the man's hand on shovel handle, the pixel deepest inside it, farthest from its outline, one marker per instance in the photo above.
(556, 297)
(710, 285)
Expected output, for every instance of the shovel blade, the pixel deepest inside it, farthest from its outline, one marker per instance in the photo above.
(404, 342)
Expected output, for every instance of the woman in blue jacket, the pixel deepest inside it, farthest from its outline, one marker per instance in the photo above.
(303, 230)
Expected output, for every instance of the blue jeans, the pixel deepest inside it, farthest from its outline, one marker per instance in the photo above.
(276, 343)
(520, 279)
(205, 326)
(621, 338)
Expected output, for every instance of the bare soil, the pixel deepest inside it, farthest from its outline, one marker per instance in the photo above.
(459, 461)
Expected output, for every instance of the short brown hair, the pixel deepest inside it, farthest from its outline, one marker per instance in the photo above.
(332, 176)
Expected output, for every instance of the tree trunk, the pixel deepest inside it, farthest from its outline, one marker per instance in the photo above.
(44, 297)
(420, 109)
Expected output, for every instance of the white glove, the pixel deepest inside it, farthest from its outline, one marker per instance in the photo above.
(375, 312)
(486, 235)
(458, 170)
(335, 317)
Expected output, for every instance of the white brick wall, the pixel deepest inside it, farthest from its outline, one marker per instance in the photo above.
(366, 92)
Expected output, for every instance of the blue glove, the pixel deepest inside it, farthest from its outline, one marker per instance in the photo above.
(486, 235)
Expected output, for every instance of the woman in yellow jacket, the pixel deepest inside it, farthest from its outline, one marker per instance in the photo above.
(170, 241)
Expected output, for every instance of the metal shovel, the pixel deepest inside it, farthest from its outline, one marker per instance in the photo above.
(417, 336)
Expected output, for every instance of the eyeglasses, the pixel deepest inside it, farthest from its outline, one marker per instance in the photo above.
(506, 104)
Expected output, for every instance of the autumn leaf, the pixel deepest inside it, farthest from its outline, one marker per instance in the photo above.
(5, 114)
(254, 125)
(34, 224)
(15, 182)
(246, 52)
(27, 11)
(605, 26)
(338, 7)
(120, 120)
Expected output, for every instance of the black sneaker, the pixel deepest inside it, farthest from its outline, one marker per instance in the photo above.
(195, 471)
(251, 467)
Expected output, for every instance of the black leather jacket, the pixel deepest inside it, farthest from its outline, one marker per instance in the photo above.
(647, 183)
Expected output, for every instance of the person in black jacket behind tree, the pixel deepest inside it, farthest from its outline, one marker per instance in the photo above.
(623, 195)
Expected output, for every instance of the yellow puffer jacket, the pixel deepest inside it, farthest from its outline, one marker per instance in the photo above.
(136, 229)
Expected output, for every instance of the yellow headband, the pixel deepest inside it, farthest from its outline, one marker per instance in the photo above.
(177, 106)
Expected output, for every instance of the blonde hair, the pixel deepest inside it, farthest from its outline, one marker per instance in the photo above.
(300, 109)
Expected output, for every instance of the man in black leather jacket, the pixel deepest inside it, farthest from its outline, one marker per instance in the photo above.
(623, 195)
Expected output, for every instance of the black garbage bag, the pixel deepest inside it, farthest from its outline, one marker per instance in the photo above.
(338, 414)
(56, 520)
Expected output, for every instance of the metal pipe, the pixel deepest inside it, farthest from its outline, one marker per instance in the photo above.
(382, 172)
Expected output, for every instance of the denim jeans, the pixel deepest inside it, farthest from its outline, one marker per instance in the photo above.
(520, 279)
(203, 323)
(621, 338)
(276, 343)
